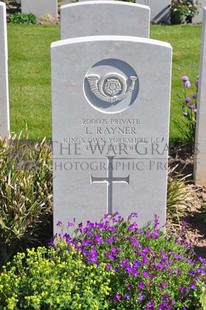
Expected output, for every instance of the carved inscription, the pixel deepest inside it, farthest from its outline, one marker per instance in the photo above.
(111, 86)
(109, 180)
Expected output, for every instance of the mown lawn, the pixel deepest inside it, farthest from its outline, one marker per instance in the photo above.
(30, 81)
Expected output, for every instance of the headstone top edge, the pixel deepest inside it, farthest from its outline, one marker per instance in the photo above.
(2, 4)
(106, 2)
(104, 38)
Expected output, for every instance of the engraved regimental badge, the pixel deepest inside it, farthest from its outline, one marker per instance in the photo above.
(111, 86)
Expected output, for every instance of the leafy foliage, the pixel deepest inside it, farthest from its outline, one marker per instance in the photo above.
(177, 193)
(150, 271)
(53, 279)
(25, 195)
(189, 110)
(22, 18)
(182, 11)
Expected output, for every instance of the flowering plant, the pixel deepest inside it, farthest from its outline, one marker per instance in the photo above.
(149, 271)
(182, 11)
(189, 109)
(49, 279)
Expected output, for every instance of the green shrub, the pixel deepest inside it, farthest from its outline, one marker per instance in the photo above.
(182, 11)
(150, 270)
(203, 296)
(25, 195)
(178, 196)
(53, 279)
(22, 18)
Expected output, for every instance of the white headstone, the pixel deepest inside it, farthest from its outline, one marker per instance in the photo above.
(200, 139)
(104, 18)
(198, 18)
(4, 92)
(160, 10)
(40, 8)
(110, 107)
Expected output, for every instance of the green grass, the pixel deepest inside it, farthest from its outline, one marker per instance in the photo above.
(30, 79)
(29, 73)
(185, 41)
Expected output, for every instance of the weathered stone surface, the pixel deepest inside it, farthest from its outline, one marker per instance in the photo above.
(160, 10)
(110, 107)
(4, 92)
(200, 141)
(104, 18)
(40, 8)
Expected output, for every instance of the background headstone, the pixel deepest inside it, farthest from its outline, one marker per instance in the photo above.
(160, 10)
(110, 109)
(198, 18)
(200, 139)
(4, 92)
(40, 8)
(104, 18)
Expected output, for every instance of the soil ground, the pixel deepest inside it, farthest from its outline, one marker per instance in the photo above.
(194, 212)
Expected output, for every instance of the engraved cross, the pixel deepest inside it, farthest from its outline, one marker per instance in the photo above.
(109, 180)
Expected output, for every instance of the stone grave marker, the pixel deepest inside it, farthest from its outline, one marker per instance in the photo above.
(198, 18)
(40, 8)
(200, 139)
(4, 91)
(160, 10)
(110, 110)
(104, 18)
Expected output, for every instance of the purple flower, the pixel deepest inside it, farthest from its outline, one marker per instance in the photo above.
(201, 270)
(59, 223)
(195, 111)
(86, 242)
(70, 224)
(150, 305)
(145, 274)
(181, 289)
(117, 297)
(108, 266)
(163, 284)
(142, 297)
(156, 221)
(187, 99)
(193, 286)
(98, 239)
(185, 78)
(129, 287)
(141, 285)
(177, 271)
(110, 239)
(187, 84)
(132, 271)
(92, 257)
(106, 216)
(137, 264)
(191, 106)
